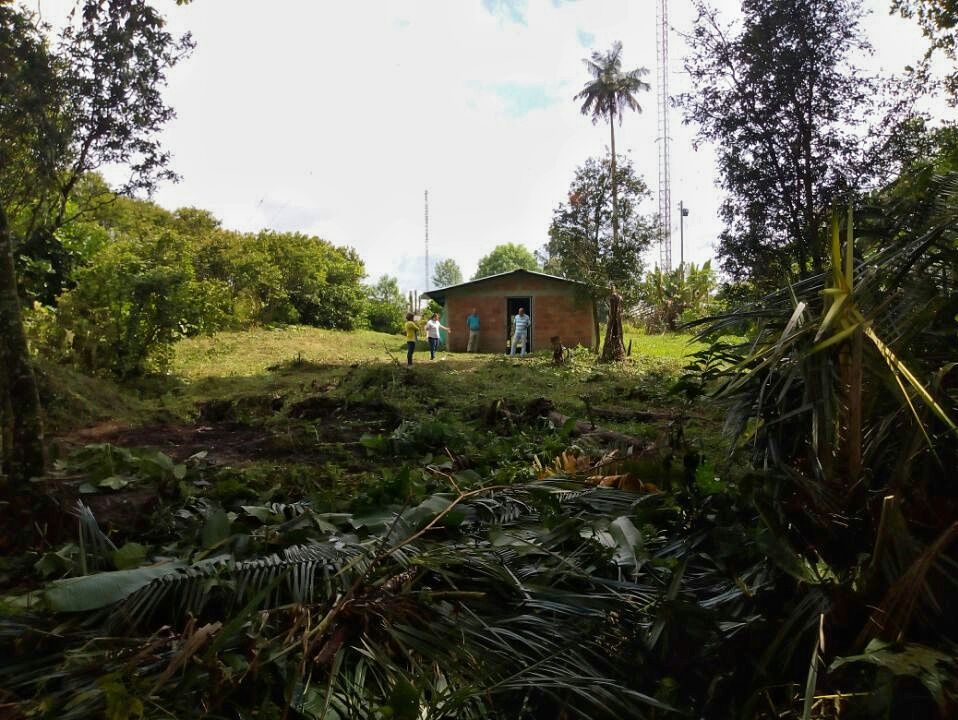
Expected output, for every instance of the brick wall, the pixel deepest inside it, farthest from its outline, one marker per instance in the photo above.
(556, 309)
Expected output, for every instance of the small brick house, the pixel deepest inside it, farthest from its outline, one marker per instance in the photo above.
(557, 306)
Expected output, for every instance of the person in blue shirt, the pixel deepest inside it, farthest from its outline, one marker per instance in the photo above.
(520, 323)
(472, 322)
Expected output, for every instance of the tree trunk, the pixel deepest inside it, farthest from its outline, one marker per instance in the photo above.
(595, 325)
(615, 196)
(614, 349)
(23, 420)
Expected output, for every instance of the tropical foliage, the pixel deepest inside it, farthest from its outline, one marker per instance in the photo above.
(609, 93)
(581, 245)
(780, 94)
(843, 399)
(504, 258)
(938, 20)
(387, 305)
(681, 295)
(446, 273)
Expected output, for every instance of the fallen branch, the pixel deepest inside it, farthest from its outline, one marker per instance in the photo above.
(623, 414)
(582, 427)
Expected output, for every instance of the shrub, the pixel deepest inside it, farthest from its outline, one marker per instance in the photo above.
(668, 299)
(136, 298)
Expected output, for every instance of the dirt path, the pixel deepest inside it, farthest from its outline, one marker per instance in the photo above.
(225, 444)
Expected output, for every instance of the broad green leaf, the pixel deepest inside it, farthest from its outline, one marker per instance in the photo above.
(129, 556)
(216, 529)
(263, 514)
(936, 670)
(374, 519)
(114, 482)
(91, 592)
(427, 510)
(404, 700)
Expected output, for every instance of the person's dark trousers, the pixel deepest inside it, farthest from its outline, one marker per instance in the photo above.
(433, 346)
(410, 349)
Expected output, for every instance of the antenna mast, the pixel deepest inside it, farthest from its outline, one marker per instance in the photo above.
(662, 87)
(427, 285)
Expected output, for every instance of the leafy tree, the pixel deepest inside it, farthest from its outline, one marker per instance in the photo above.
(504, 258)
(92, 101)
(281, 277)
(781, 98)
(322, 282)
(606, 96)
(387, 305)
(446, 273)
(938, 20)
(27, 89)
(582, 244)
(135, 299)
(681, 295)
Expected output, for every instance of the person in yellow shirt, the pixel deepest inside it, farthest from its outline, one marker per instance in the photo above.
(412, 332)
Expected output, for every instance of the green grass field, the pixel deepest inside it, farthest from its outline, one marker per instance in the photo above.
(251, 352)
(291, 360)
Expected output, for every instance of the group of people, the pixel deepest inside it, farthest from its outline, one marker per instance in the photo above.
(521, 325)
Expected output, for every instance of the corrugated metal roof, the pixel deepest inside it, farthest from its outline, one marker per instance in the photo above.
(439, 294)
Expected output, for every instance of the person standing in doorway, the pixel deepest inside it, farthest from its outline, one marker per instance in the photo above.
(520, 325)
(412, 331)
(473, 324)
(433, 326)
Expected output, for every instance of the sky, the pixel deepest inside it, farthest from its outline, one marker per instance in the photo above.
(333, 118)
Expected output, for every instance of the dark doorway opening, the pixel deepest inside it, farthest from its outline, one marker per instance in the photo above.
(512, 309)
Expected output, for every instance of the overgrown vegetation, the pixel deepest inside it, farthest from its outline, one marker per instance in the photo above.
(288, 522)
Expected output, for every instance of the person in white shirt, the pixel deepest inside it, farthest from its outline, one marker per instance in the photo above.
(433, 326)
(521, 324)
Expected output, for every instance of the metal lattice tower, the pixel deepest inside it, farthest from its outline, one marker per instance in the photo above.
(662, 90)
(427, 285)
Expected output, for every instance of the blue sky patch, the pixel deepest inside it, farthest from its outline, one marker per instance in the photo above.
(522, 98)
(512, 10)
(586, 39)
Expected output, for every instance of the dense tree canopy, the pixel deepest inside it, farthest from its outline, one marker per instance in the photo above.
(506, 257)
(446, 273)
(387, 305)
(581, 243)
(93, 98)
(146, 277)
(781, 98)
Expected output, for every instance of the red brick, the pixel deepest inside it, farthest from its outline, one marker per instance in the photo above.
(557, 308)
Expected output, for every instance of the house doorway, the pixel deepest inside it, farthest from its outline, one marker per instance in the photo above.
(512, 309)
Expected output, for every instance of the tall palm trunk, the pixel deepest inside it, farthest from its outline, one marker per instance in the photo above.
(614, 346)
(23, 452)
(615, 196)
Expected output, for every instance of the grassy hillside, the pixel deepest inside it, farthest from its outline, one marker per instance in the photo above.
(294, 361)
(251, 352)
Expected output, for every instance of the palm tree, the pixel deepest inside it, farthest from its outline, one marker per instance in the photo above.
(608, 94)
